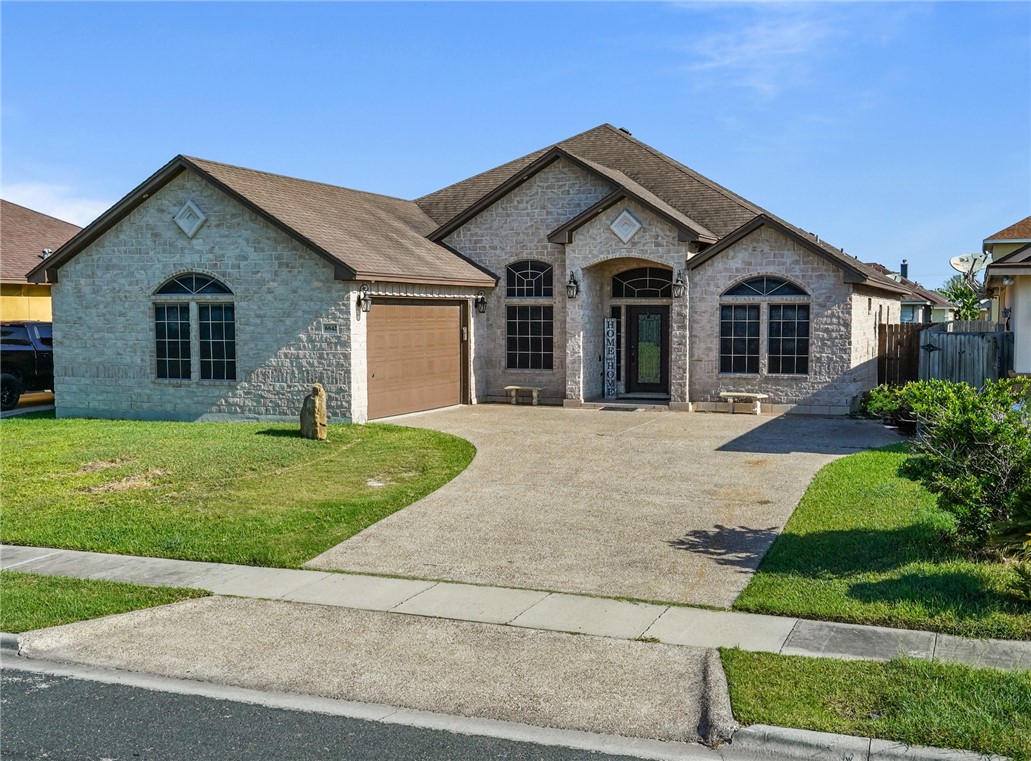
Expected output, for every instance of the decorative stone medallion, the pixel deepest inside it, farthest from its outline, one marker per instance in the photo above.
(190, 218)
(626, 226)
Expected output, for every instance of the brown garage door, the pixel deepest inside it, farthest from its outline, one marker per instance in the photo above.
(415, 357)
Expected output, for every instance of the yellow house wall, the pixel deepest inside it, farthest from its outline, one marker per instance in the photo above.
(25, 301)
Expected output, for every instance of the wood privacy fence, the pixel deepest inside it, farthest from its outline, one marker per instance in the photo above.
(965, 352)
(898, 353)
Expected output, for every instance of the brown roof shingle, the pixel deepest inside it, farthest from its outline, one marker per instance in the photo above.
(24, 234)
(1017, 231)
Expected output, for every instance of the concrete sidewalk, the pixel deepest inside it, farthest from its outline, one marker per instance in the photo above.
(529, 609)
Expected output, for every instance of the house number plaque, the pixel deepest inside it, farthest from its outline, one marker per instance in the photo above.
(610, 357)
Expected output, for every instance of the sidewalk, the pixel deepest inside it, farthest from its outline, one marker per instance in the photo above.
(529, 609)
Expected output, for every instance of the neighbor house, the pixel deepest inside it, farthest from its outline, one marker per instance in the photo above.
(918, 305)
(593, 268)
(25, 237)
(1008, 277)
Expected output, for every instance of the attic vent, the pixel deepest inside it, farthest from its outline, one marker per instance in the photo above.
(190, 218)
(624, 129)
(625, 226)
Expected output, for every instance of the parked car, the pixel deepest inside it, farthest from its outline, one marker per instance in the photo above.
(26, 360)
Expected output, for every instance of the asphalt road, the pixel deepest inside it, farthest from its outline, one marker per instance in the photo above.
(55, 717)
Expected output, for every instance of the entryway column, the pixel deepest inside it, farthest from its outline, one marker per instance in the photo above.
(575, 341)
(679, 360)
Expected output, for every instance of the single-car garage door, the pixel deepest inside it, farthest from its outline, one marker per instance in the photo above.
(414, 356)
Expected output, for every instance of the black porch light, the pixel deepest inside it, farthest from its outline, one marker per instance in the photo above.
(364, 300)
(572, 287)
(679, 287)
(481, 302)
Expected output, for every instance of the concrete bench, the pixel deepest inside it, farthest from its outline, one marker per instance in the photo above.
(513, 391)
(731, 396)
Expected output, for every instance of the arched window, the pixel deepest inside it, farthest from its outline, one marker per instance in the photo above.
(198, 322)
(765, 286)
(192, 282)
(787, 328)
(529, 279)
(643, 283)
(530, 328)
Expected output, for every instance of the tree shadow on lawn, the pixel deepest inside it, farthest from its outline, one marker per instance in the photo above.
(819, 554)
(959, 593)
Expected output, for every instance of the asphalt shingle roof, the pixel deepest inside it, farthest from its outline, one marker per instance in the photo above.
(1017, 231)
(24, 234)
(377, 236)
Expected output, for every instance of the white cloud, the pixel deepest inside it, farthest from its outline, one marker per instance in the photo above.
(61, 201)
(777, 50)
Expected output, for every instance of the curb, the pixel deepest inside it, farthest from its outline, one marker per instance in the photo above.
(764, 741)
(9, 642)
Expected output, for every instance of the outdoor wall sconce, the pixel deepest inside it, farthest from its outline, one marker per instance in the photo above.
(679, 286)
(364, 300)
(481, 302)
(572, 287)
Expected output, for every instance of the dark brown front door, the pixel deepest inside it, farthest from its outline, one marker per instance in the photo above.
(414, 356)
(647, 344)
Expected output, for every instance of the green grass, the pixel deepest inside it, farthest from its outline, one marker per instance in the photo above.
(249, 493)
(865, 546)
(29, 601)
(914, 702)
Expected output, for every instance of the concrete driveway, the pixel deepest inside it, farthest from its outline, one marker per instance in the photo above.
(671, 507)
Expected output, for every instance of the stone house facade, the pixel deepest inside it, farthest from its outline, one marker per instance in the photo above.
(595, 269)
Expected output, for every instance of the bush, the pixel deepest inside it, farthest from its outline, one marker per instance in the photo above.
(973, 448)
(1013, 537)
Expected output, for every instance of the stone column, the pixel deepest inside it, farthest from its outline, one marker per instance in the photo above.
(574, 341)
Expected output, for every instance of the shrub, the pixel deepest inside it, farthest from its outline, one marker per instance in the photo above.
(973, 451)
(1013, 537)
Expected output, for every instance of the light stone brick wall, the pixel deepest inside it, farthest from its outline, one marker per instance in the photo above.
(838, 369)
(104, 340)
(594, 256)
(513, 229)
(871, 308)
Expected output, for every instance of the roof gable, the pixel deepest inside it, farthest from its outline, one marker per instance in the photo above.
(364, 235)
(606, 150)
(1019, 258)
(853, 271)
(24, 234)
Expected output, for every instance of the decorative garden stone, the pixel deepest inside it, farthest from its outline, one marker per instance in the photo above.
(313, 414)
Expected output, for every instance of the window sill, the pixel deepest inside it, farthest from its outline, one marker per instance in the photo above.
(526, 370)
(756, 376)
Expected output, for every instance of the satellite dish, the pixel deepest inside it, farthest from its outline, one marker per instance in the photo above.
(968, 264)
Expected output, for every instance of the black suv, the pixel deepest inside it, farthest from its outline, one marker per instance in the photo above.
(26, 360)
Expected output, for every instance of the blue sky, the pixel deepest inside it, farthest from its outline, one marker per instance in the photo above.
(894, 130)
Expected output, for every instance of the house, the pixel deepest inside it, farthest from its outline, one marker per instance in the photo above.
(1008, 278)
(595, 266)
(919, 304)
(24, 236)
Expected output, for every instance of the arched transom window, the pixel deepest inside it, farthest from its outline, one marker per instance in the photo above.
(765, 286)
(193, 283)
(643, 283)
(199, 322)
(529, 279)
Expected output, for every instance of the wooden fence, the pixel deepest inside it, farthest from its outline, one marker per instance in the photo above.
(970, 352)
(898, 353)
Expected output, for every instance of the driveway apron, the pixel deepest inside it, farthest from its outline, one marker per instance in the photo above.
(671, 507)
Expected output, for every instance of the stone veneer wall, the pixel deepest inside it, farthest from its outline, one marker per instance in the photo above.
(839, 370)
(104, 345)
(513, 229)
(594, 256)
(871, 308)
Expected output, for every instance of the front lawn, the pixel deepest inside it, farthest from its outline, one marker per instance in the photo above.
(30, 601)
(249, 493)
(910, 701)
(864, 546)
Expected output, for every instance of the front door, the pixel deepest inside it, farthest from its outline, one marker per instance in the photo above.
(647, 343)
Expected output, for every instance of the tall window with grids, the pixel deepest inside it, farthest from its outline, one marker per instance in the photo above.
(785, 309)
(530, 327)
(193, 318)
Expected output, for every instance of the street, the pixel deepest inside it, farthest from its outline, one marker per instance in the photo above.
(57, 717)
